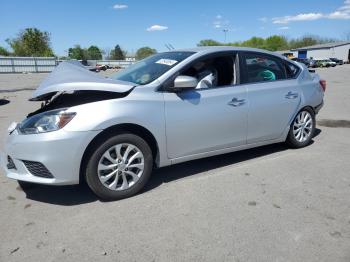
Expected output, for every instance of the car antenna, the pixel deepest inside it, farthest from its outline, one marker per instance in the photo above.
(168, 47)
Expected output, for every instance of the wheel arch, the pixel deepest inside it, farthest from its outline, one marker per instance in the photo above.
(290, 138)
(115, 130)
(308, 107)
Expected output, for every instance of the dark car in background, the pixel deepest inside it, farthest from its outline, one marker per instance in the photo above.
(312, 63)
(306, 61)
(337, 61)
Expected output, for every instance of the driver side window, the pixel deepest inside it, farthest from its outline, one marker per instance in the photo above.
(212, 72)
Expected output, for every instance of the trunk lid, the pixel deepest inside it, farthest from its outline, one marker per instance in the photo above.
(68, 77)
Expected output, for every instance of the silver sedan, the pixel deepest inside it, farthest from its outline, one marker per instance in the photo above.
(169, 108)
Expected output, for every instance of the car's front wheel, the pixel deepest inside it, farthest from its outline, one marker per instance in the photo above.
(302, 129)
(119, 167)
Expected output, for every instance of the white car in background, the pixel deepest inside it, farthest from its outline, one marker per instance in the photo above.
(325, 63)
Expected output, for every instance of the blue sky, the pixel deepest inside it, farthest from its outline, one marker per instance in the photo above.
(133, 24)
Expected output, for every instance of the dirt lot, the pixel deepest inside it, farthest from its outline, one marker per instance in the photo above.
(265, 204)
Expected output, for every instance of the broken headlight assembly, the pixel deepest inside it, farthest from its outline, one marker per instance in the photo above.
(45, 122)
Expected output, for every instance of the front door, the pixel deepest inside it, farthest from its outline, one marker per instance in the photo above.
(207, 119)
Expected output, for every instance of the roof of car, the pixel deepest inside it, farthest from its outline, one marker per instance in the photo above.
(213, 49)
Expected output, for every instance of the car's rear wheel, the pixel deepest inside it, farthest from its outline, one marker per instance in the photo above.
(302, 129)
(119, 167)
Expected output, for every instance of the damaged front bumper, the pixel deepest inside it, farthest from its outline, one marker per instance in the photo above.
(49, 158)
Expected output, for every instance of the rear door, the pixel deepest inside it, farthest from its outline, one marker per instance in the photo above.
(273, 97)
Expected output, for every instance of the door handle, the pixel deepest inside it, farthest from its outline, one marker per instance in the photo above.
(236, 102)
(291, 95)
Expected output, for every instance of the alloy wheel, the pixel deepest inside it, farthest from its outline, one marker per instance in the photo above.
(302, 126)
(121, 166)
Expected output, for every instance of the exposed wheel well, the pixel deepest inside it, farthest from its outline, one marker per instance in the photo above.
(309, 107)
(115, 130)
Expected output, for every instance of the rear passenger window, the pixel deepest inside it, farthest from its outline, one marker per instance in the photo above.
(261, 68)
(291, 70)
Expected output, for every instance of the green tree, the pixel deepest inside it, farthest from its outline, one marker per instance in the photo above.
(31, 42)
(302, 42)
(255, 42)
(209, 42)
(94, 53)
(235, 44)
(276, 42)
(144, 52)
(4, 52)
(117, 53)
(77, 52)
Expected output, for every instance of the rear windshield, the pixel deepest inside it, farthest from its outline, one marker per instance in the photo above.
(151, 68)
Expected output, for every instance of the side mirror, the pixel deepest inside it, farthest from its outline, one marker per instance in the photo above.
(185, 82)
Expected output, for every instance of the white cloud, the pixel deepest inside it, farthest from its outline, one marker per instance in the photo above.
(342, 12)
(220, 22)
(284, 28)
(299, 17)
(263, 19)
(156, 28)
(120, 6)
(339, 15)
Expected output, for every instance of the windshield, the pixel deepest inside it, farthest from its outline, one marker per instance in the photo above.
(149, 69)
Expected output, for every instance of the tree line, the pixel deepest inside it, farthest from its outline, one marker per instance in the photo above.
(272, 43)
(117, 53)
(34, 42)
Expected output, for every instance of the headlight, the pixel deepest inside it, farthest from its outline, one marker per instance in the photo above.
(45, 122)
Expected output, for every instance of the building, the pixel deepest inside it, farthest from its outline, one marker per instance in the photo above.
(287, 53)
(340, 50)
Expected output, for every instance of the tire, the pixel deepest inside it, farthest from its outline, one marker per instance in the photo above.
(296, 139)
(129, 177)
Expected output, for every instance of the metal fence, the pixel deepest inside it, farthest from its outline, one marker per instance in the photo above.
(27, 64)
(112, 63)
(47, 64)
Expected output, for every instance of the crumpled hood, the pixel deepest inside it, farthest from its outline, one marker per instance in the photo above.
(70, 76)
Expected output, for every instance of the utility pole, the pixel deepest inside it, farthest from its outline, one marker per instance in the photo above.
(225, 32)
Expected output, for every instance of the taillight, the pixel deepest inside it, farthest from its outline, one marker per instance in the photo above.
(323, 84)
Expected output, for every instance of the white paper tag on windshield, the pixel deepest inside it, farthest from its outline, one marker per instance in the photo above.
(168, 62)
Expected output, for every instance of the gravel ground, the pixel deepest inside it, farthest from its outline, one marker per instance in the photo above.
(265, 204)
